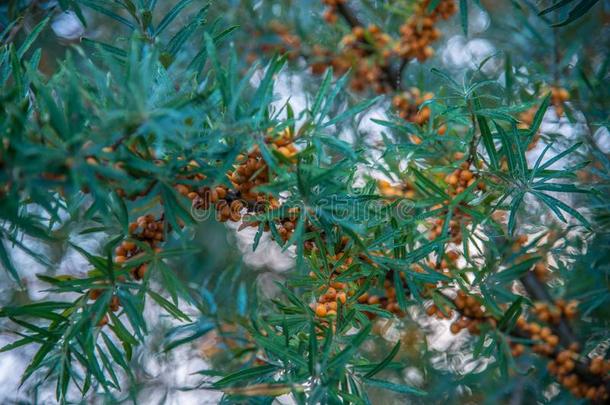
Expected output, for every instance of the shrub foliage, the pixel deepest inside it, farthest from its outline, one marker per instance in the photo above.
(412, 192)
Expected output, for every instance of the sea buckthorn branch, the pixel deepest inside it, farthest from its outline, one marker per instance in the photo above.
(250, 171)
(538, 291)
(243, 196)
(366, 41)
(474, 141)
(584, 377)
(534, 284)
(545, 340)
(391, 74)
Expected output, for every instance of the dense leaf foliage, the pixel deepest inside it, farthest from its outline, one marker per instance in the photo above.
(412, 193)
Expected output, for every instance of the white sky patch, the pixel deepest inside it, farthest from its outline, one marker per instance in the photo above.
(67, 26)
(602, 139)
(461, 53)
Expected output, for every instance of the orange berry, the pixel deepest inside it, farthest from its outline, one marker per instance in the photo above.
(128, 246)
(553, 340)
(141, 272)
(95, 293)
(466, 175)
(372, 300)
(321, 310)
(342, 297)
(103, 321)
(115, 303)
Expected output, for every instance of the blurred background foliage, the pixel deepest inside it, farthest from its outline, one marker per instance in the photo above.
(183, 81)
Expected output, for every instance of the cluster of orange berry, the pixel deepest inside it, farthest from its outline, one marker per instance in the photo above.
(462, 178)
(553, 313)
(545, 341)
(446, 312)
(559, 96)
(472, 314)
(250, 171)
(403, 190)
(340, 291)
(224, 200)
(334, 291)
(419, 31)
(364, 41)
(286, 226)
(145, 229)
(328, 302)
(387, 301)
(563, 367)
(366, 50)
(455, 226)
(407, 105)
(330, 14)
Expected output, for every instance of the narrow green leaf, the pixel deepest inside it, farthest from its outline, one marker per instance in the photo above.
(32, 36)
(578, 11)
(538, 117)
(487, 136)
(554, 204)
(509, 319)
(464, 16)
(169, 307)
(7, 263)
(244, 375)
(386, 385)
(315, 108)
(109, 13)
(555, 6)
(351, 112)
(514, 209)
(559, 156)
(172, 14)
(382, 365)
(343, 356)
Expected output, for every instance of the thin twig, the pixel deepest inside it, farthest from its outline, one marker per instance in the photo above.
(472, 148)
